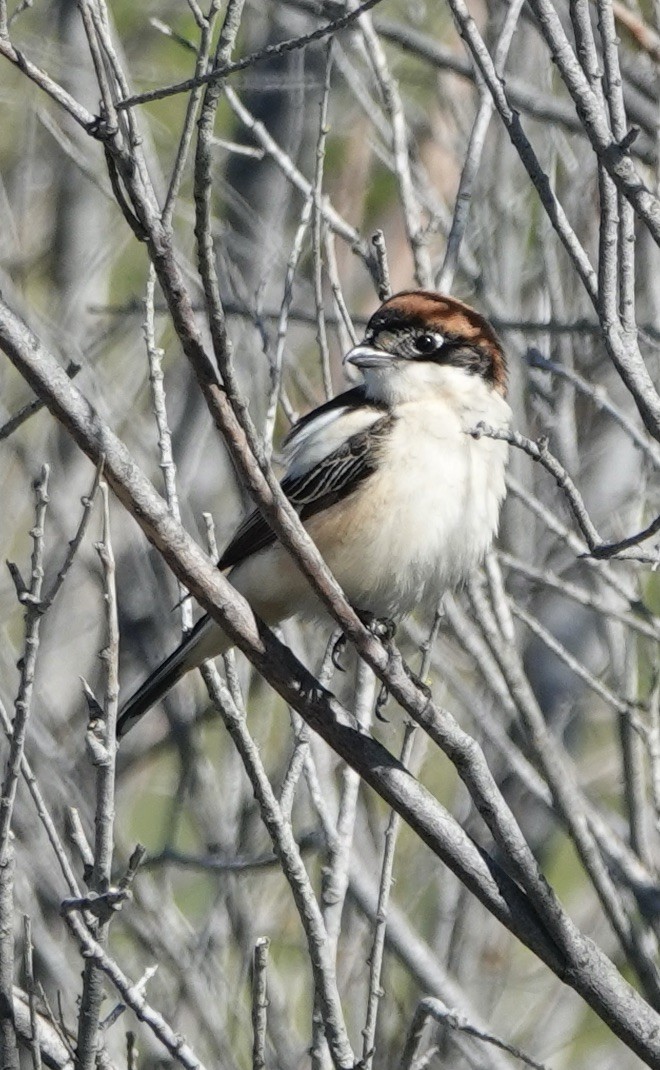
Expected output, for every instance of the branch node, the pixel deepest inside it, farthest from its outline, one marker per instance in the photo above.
(629, 139)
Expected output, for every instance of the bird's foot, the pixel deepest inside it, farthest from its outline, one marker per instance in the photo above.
(383, 628)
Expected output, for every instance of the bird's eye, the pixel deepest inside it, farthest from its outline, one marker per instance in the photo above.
(427, 343)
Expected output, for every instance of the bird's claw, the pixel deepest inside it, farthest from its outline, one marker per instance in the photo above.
(383, 628)
(311, 691)
(381, 699)
(418, 682)
(338, 648)
(383, 693)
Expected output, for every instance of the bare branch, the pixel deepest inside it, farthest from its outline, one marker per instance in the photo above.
(223, 70)
(259, 1003)
(435, 1009)
(590, 971)
(32, 601)
(538, 451)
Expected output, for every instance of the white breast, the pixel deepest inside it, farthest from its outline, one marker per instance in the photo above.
(414, 528)
(431, 510)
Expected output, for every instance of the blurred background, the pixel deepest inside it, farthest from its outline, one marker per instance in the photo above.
(401, 108)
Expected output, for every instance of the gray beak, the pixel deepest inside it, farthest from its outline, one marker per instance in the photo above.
(365, 356)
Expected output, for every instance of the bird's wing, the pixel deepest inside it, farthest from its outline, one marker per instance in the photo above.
(329, 410)
(316, 487)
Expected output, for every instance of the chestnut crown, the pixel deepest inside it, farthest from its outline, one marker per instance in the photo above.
(420, 325)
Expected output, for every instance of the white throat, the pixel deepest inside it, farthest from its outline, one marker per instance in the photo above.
(409, 380)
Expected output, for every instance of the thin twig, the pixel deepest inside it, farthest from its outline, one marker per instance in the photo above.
(259, 1003)
(167, 463)
(376, 954)
(344, 322)
(32, 601)
(74, 544)
(222, 69)
(203, 187)
(206, 27)
(132, 996)
(538, 451)
(435, 1009)
(445, 277)
(35, 1050)
(102, 744)
(335, 874)
(277, 361)
(317, 228)
(383, 284)
(103, 77)
(287, 851)
(613, 94)
(8, 1040)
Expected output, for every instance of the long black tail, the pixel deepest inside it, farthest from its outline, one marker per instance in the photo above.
(190, 653)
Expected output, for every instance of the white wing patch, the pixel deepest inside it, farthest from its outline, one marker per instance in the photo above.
(324, 434)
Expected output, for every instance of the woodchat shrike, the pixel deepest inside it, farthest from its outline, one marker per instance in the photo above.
(400, 499)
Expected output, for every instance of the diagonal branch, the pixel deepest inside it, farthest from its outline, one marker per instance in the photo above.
(225, 69)
(564, 949)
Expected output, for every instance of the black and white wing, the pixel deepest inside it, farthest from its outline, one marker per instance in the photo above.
(325, 480)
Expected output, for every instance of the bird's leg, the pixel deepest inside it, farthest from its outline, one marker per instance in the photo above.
(383, 628)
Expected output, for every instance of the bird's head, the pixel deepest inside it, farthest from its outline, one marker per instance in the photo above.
(419, 342)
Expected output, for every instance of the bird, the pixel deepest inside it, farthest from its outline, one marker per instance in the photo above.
(400, 499)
